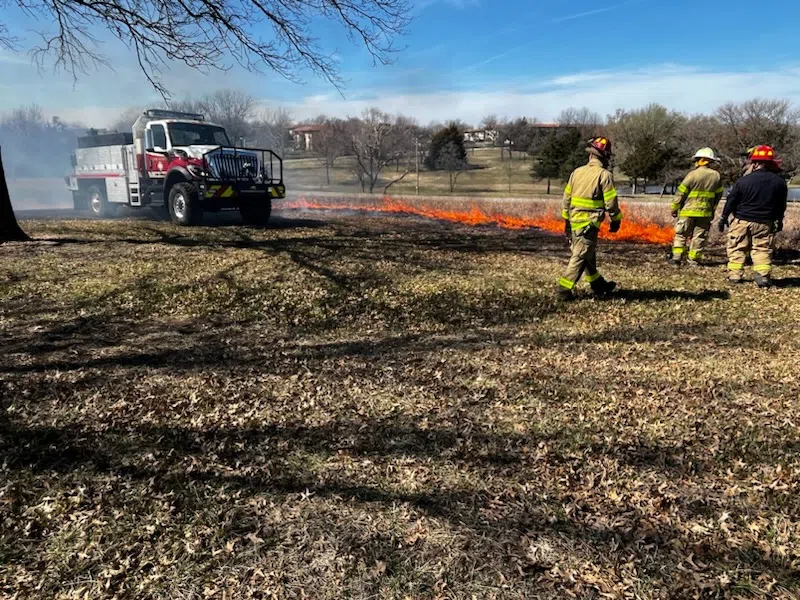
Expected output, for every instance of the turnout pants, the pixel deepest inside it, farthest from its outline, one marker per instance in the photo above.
(755, 239)
(583, 259)
(697, 229)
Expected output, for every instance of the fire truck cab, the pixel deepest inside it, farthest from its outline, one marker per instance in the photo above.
(178, 162)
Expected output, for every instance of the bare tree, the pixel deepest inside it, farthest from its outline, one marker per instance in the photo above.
(490, 122)
(451, 160)
(376, 140)
(233, 109)
(124, 122)
(330, 142)
(272, 129)
(518, 135)
(583, 119)
(761, 121)
(257, 34)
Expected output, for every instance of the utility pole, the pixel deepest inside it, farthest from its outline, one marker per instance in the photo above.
(416, 160)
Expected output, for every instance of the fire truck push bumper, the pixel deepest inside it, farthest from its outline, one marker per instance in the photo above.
(231, 195)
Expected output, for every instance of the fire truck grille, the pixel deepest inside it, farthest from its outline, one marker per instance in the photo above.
(233, 166)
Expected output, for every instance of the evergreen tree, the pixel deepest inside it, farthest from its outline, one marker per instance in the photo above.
(450, 138)
(559, 155)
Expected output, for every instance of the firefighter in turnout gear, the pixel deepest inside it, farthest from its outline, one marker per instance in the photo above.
(694, 207)
(758, 205)
(589, 194)
(748, 165)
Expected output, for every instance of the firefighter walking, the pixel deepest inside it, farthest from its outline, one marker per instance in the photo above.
(589, 194)
(694, 207)
(758, 204)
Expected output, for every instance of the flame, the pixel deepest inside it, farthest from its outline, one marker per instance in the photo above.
(634, 228)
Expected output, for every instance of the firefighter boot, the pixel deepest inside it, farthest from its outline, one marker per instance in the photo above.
(762, 281)
(563, 294)
(602, 288)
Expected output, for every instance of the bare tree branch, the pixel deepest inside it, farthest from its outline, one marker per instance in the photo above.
(396, 180)
(256, 34)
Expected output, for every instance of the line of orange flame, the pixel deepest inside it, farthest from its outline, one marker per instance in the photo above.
(633, 229)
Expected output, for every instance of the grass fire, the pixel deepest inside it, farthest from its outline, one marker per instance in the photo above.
(639, 225)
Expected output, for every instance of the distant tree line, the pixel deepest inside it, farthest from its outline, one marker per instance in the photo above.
(35, 146)
(652, 145)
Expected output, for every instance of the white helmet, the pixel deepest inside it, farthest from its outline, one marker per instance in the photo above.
(706, 153)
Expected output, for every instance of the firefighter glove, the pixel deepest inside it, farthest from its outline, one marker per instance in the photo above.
(674, 214)
(614, 227)
(567, 228)
(722, 225)
(777, 227)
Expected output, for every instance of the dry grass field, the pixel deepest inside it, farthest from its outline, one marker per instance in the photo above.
(489, 177)
(369, 406)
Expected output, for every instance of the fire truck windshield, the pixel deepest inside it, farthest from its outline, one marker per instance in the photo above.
(189, 134)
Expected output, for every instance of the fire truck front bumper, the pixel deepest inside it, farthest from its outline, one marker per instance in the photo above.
(233, 195)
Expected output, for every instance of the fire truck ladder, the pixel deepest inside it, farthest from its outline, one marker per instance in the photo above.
(132, 176)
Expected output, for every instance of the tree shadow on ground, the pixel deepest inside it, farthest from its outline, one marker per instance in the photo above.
(786, 282)
(193, 465)
(785, 256)
(665, 295)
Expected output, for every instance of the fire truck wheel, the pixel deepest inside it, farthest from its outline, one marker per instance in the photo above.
(256, 214)
(184, 204)
(97, 203)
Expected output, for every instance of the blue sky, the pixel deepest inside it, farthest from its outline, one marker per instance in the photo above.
(468, 58)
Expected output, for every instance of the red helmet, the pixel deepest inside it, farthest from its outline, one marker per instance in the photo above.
(762, 154)
(601, 144)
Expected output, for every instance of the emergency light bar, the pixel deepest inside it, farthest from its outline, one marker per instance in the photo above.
(158, 113)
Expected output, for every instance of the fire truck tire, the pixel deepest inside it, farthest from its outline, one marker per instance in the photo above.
(97, 203)
(256, 214)
(184, 204)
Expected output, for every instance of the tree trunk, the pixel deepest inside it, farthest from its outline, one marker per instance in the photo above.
(395, 180)
(634, 186)
(328, 171)
(548, 186)
(10, 230)
(453, 179)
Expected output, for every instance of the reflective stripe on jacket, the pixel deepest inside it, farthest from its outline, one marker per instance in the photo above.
(589, 194)
(699, 193)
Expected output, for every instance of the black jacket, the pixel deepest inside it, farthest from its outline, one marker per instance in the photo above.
(759, 197)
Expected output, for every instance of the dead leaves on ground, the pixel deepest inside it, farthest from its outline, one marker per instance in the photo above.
(388, 408)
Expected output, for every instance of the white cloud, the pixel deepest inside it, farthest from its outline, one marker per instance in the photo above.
(587, 13)
(686, 89)
(580, 78)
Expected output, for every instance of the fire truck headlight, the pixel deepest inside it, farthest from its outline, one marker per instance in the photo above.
(196, 171)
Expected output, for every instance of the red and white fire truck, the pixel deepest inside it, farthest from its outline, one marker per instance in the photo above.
(178, 162)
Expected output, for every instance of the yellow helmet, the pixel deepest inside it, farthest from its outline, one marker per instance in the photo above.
(706, 153)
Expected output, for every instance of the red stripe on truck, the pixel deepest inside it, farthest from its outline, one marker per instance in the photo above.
(98, 175)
